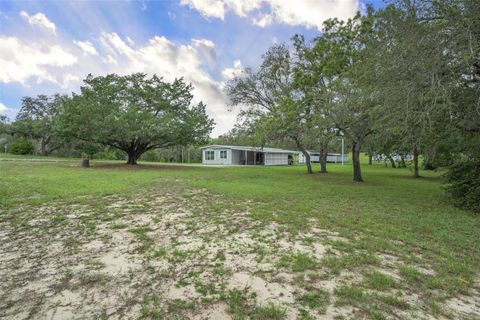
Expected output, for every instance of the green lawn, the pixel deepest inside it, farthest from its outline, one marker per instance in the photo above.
(390, 213)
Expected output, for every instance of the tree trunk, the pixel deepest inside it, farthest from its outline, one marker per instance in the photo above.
(416, 174)
(307, 159)
(357, 172)
(402, 162)
(305, 154)
(392, 162)
(323, 159)
(370, 158)
(429, 158)
(85, 163)
(43, 147)
(132, 158)
(323, 162)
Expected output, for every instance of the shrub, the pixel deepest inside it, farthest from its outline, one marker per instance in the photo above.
(463, 184)
(20, 146)
(151, 156)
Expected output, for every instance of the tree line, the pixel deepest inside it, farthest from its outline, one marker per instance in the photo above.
(403, 81)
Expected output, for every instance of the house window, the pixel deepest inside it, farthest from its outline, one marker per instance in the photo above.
(223, 154)
(209, 155)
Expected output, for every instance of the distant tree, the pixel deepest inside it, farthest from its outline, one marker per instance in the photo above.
(410, 80)
(313, 76)
(333, 62)
(35, 120)
(240, 135)
(135, 114)
(4, 125)
(274, 102)
(292, 119)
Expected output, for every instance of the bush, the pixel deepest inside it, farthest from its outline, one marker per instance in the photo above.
(20, 146)
(151, 156)
(463, 184)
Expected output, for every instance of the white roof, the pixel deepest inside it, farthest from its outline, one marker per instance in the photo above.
(248, 148)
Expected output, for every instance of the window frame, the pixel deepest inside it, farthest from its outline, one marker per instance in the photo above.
(209, 155)
(223, 152)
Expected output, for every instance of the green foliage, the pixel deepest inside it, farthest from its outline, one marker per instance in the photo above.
(20, 146)
(107, 155)
(4, 125)
(463, 184)
(36, 119)
(135, 114)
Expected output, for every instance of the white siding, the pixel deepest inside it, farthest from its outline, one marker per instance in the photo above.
(336, 158)
(272, 159)
(217, 159)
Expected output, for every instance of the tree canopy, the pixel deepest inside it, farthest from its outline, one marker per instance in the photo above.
(399, 82)
(135, 114)
(36, 119)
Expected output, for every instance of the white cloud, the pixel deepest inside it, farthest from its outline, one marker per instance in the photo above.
(39, 20)
(70, 82)
(312, 13)
(242, 8)
(208, 8)
(86, 46)
(230, 73)
(114, 44)
(110, 60)
(130, 41)
(27, 61)
(170, 60)
(3, 108)
(218, 8)
(308, 13)
(263, 21)
(203, 43)
(22, 60)
(206, 48)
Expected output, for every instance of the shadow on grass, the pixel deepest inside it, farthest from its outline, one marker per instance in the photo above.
(144, 166)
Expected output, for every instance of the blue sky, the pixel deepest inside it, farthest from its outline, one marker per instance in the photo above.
(50, 46)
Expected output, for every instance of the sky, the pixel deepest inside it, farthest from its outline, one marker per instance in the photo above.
(49, 47)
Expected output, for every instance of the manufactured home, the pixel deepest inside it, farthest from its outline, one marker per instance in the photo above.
(244, 155)
(315, 157)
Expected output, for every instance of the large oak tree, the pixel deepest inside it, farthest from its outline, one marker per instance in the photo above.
(135, 114)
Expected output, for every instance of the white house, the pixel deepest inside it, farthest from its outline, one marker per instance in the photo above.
(244, 155)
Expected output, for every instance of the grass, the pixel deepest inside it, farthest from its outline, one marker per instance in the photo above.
(350, 295)
(298, 262)
(391, 213)
(379, 281)
(269, 311)
(315, 300)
